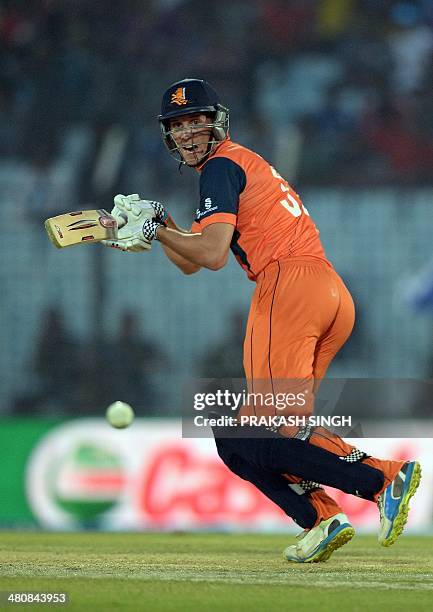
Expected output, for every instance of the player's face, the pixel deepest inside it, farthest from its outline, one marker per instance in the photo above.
(191, 134)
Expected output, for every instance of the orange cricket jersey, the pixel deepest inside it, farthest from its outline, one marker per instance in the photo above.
(239, 187)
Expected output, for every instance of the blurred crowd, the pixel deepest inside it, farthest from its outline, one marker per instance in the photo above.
(75, 377)
(330, 91)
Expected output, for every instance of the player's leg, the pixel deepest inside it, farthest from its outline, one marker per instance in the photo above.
(324, 505)
(283, 331)
(302, 315)
(281, 336)
(298, 498)
(293, 500)
(326, 348)
(280, 455)
(400, 483)
(312, 462)
(331, 530)
(277, 454)
(282, 328)
(400, 479)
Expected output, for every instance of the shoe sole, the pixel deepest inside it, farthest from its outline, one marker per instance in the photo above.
(341, 538)
(402, 515)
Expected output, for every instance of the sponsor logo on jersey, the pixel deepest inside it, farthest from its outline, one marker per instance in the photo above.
(178, 97)
(202, 213)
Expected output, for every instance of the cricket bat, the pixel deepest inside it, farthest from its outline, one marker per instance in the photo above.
(83, 226)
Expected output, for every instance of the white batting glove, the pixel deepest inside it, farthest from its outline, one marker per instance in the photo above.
(130, 238)
(133, 208)
(131, 212)
(130, 245)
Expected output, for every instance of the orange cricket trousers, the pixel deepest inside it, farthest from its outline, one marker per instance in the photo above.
(301, 315)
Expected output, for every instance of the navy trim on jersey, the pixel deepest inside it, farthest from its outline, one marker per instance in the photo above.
(238, 251)
(221, 183)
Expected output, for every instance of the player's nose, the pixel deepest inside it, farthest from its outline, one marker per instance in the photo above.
(186, 137)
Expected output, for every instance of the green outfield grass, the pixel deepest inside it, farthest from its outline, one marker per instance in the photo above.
(208, 572)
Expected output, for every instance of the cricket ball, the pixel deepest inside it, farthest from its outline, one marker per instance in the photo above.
(119, 415)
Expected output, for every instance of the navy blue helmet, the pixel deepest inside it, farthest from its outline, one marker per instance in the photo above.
(187, 97)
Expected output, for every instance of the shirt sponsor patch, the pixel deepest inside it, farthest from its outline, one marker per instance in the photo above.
(202, 213)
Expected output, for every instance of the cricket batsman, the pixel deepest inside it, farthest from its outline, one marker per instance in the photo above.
(301, 315)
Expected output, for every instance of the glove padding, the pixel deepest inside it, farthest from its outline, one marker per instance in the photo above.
(132, 207)
(131, 245)
(131, 212)
(130, 238)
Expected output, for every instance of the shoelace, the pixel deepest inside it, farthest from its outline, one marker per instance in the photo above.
(381, 506)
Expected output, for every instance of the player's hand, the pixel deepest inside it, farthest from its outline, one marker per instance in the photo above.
(140, 238)
(130, 245)
(131, 212)
(132, 208)
(130, 237)
(135, 237)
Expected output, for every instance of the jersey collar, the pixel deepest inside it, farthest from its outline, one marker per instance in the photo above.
(199, 168)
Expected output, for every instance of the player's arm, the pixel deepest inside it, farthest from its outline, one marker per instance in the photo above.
(187, 267)
(221, 183)
(209, 249)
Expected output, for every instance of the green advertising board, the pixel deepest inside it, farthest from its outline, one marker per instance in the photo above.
(18, 437)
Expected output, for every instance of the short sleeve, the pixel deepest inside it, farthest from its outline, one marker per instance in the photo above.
(221, 183)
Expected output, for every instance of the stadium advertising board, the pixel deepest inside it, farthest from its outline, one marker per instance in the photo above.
(82, 473)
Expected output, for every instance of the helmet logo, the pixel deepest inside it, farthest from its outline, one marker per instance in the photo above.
(178, 97)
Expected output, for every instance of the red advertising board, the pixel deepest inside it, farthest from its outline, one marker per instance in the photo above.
(147, 477)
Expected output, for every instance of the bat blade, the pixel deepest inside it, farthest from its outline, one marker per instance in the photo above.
(83, 226)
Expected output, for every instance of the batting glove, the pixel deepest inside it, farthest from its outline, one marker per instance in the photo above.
(140, 240)
(133, 208)
(150, 229)
(131, 245)
(131, 212)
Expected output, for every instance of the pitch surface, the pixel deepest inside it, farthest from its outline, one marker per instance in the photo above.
(165, 572)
